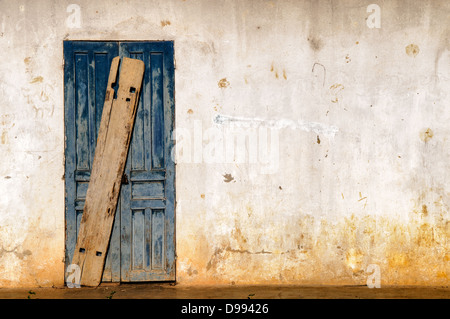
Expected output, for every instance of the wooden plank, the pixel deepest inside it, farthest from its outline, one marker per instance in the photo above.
(109, 161)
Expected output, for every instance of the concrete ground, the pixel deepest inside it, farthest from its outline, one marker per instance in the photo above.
(171, 291)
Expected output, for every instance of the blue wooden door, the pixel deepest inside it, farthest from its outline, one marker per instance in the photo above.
(142, 245)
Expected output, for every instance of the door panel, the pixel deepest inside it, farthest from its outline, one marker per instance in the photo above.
(86, 71)
(147, 222)
(142, 245)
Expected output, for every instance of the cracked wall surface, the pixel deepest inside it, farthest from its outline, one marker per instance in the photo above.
(312, 136)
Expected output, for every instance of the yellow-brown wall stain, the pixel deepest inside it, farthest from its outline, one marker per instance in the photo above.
(335, 91)
(4, 137)
(412, 50)
(223, 83)
(274, 70)
(426, 135)
(37, 79)
(408, 253)
(6, 123)
(165, 23)
(40, 265)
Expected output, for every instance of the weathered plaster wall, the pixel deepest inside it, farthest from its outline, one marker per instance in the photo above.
(348, 159)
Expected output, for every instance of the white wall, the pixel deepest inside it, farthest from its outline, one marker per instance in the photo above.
(373, 191)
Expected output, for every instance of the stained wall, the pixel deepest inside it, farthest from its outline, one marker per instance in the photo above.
(312, 136)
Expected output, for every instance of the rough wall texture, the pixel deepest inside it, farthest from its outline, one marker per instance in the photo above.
(344, 107)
